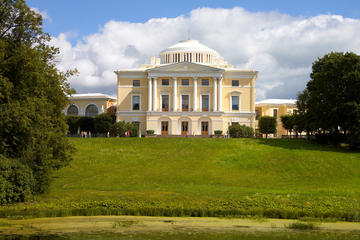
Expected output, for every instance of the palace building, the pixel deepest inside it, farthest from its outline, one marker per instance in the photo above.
(188, 90)
(275, 108)
(90, 104)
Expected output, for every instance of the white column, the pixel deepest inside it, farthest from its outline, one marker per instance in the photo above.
(220, 94)
(195, 95)
(155, 95)
(215, 95)
(149, 95)
(175, 95)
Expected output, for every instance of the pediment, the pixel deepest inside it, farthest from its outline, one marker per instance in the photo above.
(185, 67)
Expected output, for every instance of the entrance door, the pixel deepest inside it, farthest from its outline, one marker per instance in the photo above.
(204, 128)
(184, 128)
(164, 127)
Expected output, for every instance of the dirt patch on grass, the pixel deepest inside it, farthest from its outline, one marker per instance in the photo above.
(135, 224)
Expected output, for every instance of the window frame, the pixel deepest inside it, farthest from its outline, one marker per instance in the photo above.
(181, 101)
(238, 103)
(132, 102)
(88, 105)
(165, 79)
(136, 80)
(77, 108)
(277, 112)
(235, 85)
(182, 82)
(235, 94)
(209, 101)
(202, 82)
(169, 102)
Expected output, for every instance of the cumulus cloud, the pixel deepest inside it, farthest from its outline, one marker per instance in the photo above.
(281, 47)
(43, 13)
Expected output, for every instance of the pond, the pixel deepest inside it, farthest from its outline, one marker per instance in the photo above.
(307, 235)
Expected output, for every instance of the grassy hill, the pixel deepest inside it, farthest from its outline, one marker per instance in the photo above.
(203, 177)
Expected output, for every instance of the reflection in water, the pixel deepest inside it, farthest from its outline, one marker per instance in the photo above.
(191, 236)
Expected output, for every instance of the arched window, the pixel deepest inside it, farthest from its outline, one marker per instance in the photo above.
(72, 111)
(91, 110)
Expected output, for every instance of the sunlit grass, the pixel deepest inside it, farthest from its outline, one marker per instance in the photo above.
(242, 176)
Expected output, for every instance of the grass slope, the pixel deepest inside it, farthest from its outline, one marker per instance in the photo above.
(204, 177)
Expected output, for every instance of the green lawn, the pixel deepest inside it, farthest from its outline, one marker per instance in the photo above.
(206, 177)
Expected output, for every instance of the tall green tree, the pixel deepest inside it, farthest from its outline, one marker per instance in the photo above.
(267, 125)
(288, 122)
(331, 98)
(32, 96)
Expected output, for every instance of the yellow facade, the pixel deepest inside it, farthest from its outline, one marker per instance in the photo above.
(191, 90)
(275, 108)
(90, 104)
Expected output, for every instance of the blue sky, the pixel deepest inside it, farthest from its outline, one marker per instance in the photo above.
(278, 38)
(84, 17)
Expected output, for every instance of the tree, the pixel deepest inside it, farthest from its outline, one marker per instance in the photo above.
(237, 130)
(332, 96)
(73, 123)
(288, 122)
(32, 97)
(103, 122)
(267, 125)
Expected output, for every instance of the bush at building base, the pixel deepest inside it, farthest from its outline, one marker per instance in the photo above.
(237, 131)
(119, 129)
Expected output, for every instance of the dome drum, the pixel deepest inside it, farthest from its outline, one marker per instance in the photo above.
(189, 51)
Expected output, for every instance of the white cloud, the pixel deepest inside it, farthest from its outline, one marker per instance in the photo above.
(281, 47)
(43, 13)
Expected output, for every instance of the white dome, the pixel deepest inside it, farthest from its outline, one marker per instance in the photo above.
(189, 51)
(189, 46)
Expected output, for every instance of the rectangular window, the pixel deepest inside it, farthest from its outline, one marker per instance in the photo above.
(205, 103)
(165, 103)
(275, 113)
(234, 102)
(256, 114)
(136, 83)
(205, 82)
(135, 102)
(185, 82)
(184, 103)
(165, 82)
(235, 83)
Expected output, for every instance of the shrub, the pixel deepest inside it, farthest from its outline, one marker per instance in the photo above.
(303, 226)
(118, 129)
(288, 122)
(267, 125)
(87, 124)
(150, 132)
(237, 130)
(73, 123)
(218, 132)
(16, 181)
(103, 122)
